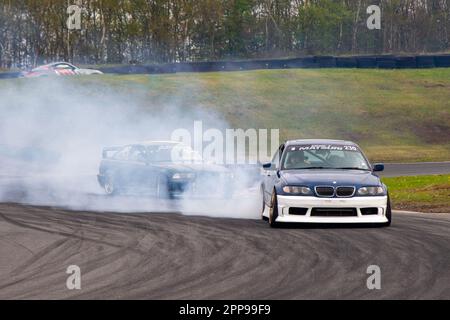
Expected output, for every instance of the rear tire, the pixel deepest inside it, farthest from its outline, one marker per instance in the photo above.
(273, 213)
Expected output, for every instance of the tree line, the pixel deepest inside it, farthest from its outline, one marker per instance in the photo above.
(159, 31)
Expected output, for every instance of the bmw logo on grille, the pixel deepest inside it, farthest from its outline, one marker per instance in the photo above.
(334, 182)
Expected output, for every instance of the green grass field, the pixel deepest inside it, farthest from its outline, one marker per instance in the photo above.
(395, 115)
(421, 193)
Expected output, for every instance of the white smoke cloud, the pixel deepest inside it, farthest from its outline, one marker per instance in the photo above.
(52, 132)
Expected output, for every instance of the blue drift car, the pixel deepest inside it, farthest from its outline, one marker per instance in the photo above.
(323, 181)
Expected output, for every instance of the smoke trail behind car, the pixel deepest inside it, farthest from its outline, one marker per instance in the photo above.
(52, 132)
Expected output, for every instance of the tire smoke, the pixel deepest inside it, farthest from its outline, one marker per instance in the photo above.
(52, 132)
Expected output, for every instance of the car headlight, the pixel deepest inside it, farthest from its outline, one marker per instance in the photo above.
(182, 176)
(304, 191)
(371, 191)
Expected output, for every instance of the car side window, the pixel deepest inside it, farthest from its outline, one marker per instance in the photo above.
(136, 154)
(122, 154)
(276, 160)
(64, 66)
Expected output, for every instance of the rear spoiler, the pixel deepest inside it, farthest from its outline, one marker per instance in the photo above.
(106, 153)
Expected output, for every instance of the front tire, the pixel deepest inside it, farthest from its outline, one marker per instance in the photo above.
(110, 186)
(388, 213)
(162, 188)
(273, 212)
(263, 205)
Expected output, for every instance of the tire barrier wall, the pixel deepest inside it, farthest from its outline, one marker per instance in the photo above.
(9, 75)
(363, 62)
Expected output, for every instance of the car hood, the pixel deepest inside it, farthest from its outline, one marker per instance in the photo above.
(330, 177)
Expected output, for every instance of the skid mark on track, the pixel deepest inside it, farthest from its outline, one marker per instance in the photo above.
(170, 256)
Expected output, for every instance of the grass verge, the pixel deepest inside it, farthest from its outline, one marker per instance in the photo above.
(420, 193)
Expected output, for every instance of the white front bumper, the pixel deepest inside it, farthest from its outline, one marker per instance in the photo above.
(285, 202)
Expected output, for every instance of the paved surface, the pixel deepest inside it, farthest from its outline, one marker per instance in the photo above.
(415, 169)
(161, 256)
(167, 255)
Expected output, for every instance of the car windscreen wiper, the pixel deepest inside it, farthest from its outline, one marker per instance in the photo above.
(312, 168)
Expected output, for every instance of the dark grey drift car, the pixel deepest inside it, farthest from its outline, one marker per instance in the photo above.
(324, 181)
(164, 169)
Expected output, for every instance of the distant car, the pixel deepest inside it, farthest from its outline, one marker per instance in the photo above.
(165, 169)
(323, 181)
(58, 69)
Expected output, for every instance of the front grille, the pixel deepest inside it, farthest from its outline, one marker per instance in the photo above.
(345, 191)
(298, 211)
(334, 212)
(325, 191)
(369, 211)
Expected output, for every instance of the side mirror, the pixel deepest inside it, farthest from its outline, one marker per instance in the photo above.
(378, 167)
(267, 165)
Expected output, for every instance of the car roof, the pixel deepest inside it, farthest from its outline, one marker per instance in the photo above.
(49, 65)
(59, 62)
(54, 64)
(319, 141)
(157, 143)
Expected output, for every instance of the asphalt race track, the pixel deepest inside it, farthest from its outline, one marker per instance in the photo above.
(418, 168)
(124, 251)
(168, 255)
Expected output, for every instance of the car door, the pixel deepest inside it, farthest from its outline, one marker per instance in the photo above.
(64, 69)
(141, 173)
(270, 176)
(159, 166)
(117, 167)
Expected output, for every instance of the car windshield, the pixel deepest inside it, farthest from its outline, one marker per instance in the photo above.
(172, 153)
(324, 156)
